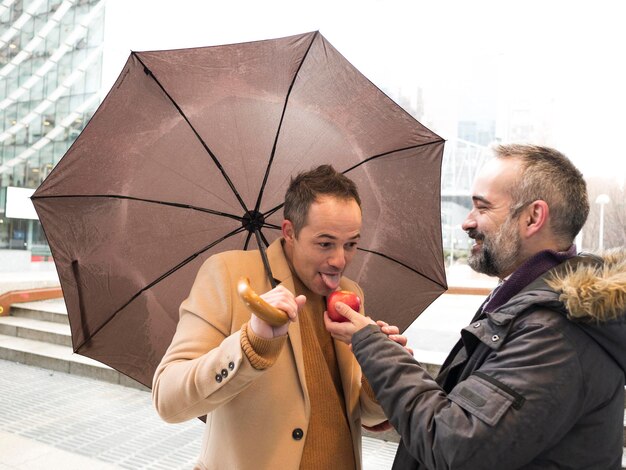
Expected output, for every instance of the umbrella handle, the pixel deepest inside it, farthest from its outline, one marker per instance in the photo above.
(260, 307)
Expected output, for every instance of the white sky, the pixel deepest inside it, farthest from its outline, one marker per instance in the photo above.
(565, 58)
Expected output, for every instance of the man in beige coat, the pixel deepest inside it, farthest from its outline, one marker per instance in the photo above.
(275, 397)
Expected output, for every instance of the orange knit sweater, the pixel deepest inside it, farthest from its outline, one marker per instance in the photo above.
(328, 442)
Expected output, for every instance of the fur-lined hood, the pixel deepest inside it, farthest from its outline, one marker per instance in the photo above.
(594, 289)
(592, 292)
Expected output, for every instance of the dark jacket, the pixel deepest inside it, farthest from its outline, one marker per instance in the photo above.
(536, 384)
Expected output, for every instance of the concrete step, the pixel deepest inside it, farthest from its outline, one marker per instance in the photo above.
(38, 334)
(59, 358)
(38, 330)
(45, 310)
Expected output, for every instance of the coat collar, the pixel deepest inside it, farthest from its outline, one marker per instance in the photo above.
(281, 271)
(530, 270)
(278, 263)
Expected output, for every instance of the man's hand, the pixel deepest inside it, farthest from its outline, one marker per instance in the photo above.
(343, 331)
(356, 321)
(284, 300)
(393, 333)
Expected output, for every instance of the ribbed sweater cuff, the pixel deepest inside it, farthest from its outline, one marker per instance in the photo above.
(262, 353)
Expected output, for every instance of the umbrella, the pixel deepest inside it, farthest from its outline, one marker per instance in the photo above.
(190, 153)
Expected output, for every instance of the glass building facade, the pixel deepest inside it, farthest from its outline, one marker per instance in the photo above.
(50, 81)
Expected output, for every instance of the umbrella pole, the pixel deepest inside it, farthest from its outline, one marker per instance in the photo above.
(266, 263)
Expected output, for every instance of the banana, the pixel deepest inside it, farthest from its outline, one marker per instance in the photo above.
(260, 307)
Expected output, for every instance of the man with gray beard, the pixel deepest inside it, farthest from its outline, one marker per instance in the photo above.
(537, 378)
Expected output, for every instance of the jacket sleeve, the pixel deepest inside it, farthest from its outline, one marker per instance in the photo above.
(518, 403)
(204, 366)
(372, 413)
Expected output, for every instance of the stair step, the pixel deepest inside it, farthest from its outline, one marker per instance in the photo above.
(39, 330)
(59, 358)
(46, 310)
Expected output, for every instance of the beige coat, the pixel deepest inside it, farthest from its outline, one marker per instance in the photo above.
(252, 415)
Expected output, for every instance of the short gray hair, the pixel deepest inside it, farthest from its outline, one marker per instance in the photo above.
(550, 176)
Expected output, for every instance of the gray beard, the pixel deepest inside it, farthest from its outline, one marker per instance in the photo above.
(498, 253)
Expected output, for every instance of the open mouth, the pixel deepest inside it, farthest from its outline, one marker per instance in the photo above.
(478, 242)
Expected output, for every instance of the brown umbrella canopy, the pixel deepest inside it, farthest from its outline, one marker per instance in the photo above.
(190, 146)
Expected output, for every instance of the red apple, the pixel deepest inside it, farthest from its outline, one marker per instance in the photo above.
(349, 298)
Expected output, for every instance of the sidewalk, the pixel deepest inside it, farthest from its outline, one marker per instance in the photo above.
(55, 421)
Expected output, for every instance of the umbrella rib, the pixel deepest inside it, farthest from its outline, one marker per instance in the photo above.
(159, 279)
(148, 72)
(401, 264)
(151, 201)
(373, 157)
(280, 124)
(272, 211)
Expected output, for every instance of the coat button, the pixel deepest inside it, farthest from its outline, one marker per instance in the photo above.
(297, 434)
(495, 338)
(218, 378)
(477, 324)
(224, 373)
(231, 365)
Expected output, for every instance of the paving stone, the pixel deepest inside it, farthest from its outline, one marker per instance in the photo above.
(99, 425)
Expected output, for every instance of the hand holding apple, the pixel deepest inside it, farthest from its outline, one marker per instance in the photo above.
(343, 327)
(349, 298)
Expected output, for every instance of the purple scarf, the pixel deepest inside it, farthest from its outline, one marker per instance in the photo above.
(530, 270)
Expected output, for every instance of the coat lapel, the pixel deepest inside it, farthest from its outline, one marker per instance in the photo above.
(282, 273)
(347, 370)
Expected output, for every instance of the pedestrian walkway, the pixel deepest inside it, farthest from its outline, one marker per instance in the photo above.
(54, 420)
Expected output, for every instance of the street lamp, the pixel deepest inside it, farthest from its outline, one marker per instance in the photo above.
(602, 199)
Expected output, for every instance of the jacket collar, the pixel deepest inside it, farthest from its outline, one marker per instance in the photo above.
(530, 270)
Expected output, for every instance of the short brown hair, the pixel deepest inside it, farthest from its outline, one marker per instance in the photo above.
(550, 176)
(306, 187)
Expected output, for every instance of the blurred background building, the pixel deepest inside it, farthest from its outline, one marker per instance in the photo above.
(50, 81)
